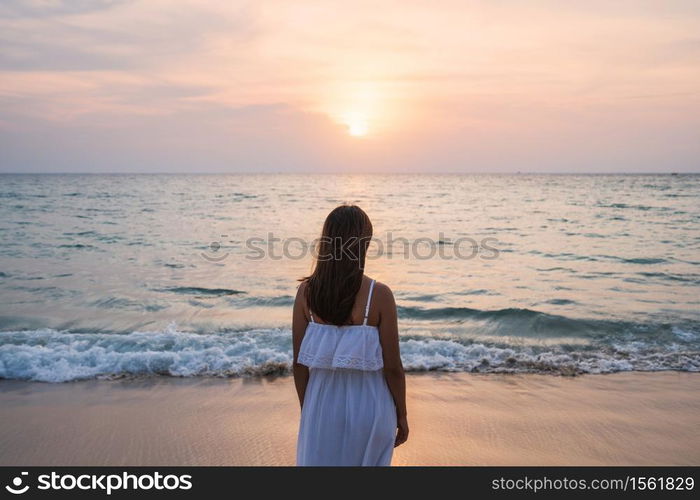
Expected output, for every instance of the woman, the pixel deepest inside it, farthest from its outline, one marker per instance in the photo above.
(347, 368)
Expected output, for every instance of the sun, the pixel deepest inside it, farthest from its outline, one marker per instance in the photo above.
(357, 124)
(357, 129)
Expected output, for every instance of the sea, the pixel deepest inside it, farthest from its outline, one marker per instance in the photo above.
(112, 276)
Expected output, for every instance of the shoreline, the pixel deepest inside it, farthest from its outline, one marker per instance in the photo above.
(624, 418)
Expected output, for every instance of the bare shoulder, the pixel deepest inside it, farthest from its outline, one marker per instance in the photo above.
(301, 292)
(383, 295)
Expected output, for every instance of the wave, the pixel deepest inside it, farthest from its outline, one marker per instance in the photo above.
(560, 302)
(262, 301)
(529, 324)
(522, 318)
(48, 355)
(113, 302)
(52, 356)
(688, 278)
(568, 256)
(195, 290)
(79, 246)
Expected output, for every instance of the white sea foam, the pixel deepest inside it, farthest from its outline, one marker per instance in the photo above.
(52, 356)
(683, 334)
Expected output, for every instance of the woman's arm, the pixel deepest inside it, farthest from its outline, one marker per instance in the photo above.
(299, 323)
(393, 368)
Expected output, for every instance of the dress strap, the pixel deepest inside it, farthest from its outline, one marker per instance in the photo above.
(312, 316)
(369, 299)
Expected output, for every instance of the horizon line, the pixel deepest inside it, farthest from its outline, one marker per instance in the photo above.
(306, 172)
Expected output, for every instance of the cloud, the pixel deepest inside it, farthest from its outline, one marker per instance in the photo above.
(219, 85)
(116, 35)
(47, 8)
(206, 138)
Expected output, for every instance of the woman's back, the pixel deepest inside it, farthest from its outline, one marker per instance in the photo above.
(348, 416)
(354, 346)
(347, 366)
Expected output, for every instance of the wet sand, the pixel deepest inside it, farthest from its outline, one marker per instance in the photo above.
(455, 419)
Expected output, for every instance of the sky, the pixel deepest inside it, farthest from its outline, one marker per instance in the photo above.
(354, 87)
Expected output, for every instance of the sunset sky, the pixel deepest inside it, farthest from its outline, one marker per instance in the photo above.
(337, 86)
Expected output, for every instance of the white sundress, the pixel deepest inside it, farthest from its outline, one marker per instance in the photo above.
(348, 416)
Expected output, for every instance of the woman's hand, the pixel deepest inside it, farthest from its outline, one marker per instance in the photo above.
(402, 432)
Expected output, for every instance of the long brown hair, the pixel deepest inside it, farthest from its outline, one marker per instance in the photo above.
(340, 263)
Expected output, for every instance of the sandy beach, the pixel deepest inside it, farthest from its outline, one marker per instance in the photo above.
(456, 419)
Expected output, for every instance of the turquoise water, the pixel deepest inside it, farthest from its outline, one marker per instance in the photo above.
(109, 275)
